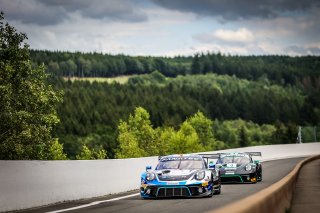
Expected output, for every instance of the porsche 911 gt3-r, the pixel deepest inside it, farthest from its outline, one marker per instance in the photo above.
(180, 176)
(239, 167)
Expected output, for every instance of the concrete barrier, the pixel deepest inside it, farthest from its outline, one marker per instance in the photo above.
(276, 198)
(27, 184)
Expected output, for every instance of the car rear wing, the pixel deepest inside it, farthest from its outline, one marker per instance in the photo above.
(254, 153)
(217, 155)
(212, 156)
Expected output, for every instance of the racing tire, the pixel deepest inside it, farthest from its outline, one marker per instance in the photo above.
(212, 190)
(211, 194)
(216, 192)
(259, 176)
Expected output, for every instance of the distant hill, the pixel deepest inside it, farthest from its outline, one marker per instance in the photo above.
(301, 71)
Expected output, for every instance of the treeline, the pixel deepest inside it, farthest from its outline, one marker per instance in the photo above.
(79, 64)
(301, 71)
(91, 112)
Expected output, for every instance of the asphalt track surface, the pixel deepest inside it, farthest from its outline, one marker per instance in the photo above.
(273, 171)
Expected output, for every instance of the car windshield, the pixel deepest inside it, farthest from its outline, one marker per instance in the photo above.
(238, 159)
(180, 164)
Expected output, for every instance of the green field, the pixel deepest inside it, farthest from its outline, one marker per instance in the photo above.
(119, 79)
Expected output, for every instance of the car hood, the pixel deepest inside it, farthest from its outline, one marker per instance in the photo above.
(236, 168)
(175, 174)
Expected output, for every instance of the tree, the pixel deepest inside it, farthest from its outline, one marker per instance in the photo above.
(185, 140)
(243, 138)
(292, 132)
(203, 127)
(138, 135)
(28, 104)
(91, 154)
(128, 144)
(93, 142)
(56, 151)
(157, 77)
(280, 134)
(196, 65)
(85, 154)
(72, 67)
(164, 136)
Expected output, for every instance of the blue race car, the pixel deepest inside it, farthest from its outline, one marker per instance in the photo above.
(180, 176)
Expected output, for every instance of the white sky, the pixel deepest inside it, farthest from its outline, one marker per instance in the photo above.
(169, 27)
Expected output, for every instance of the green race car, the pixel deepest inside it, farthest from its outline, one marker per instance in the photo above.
(237, 167)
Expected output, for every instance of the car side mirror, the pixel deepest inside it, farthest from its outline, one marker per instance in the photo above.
(212, 166)
(148, 168)
(256, 162)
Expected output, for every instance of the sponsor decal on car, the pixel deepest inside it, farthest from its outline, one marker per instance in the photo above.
(229, 173)
(172, 183)
(231, 165)
(205, 183)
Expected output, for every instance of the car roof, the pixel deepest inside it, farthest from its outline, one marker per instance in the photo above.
(181, 156)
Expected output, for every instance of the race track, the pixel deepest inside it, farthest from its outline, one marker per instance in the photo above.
(272, 172)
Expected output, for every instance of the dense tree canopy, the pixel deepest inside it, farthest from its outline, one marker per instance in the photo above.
(270, 95)
(93, 110)
(138, 138)
(28, 104)
(303, 71)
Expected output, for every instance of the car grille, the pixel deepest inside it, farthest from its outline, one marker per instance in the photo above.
(173, 192)
(153, 191)
(231, 179)
(194, 190)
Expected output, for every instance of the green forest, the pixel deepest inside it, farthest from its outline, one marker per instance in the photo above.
(246, 100)
(238, 112)
(300, 71)
(182, 104)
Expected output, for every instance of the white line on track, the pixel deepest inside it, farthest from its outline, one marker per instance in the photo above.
(94, 203)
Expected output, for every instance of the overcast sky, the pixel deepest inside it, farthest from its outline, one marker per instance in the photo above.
(169, 27)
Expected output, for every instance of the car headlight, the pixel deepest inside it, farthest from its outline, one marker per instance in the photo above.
(150, 176)
(248, 167)
(200, 175)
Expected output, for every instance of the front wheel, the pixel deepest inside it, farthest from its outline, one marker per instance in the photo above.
(217, 191)
(212, 193)
(259, 175)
